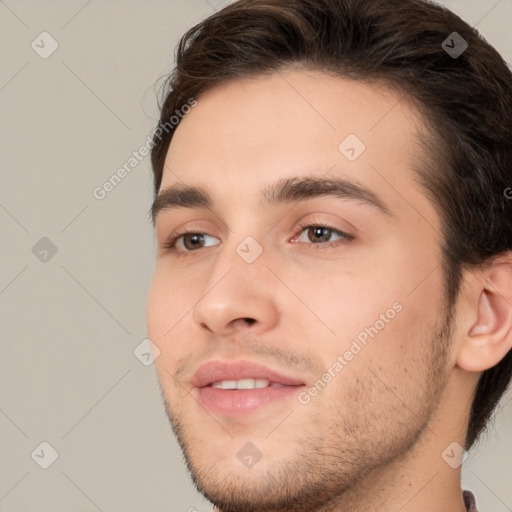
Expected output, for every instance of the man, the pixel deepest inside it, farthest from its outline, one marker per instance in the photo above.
(333, 285)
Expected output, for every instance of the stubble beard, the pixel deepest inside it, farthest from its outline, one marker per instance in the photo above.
(332, 458)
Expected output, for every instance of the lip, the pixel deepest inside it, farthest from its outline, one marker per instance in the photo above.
(224, 402)
(215, 371)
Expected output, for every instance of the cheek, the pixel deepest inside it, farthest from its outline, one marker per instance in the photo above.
(381, 365)
(344, 305)
(375, 318)
(156, 308)
(350, 293)
(170, 297)
(169, 303)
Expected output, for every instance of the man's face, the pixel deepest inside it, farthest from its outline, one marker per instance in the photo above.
(370, 285)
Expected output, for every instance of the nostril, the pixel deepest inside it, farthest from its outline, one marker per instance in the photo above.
(205, 326)
(250, 321)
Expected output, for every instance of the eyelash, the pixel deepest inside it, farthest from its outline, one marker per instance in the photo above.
(170, 245)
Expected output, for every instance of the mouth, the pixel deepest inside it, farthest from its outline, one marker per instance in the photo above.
(235, 388)
(246, 384)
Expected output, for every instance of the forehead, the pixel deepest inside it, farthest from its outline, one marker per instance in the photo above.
(246, 134)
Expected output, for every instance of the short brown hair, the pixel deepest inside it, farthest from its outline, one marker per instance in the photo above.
(466, 102)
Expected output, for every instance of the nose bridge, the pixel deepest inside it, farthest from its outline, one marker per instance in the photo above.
(239, 286)
(239, 263)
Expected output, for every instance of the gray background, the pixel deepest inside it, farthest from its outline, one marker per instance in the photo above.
(70, 323)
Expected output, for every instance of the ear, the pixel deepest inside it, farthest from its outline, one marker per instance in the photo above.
(488, 336)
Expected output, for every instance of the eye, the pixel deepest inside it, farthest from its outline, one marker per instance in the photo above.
(320, 234)
(187, 241)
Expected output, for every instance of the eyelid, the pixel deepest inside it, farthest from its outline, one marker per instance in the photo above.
(318, 222)
(344, 236)
(170, 244)
(201, 225)
(177, 237)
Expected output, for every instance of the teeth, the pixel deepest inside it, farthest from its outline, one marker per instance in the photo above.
(242, 384)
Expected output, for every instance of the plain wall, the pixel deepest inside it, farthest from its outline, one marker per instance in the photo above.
(70, 323)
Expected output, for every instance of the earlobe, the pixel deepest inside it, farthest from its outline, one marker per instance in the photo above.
(489, 338)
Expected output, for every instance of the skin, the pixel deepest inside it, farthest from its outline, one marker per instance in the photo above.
(372, 439)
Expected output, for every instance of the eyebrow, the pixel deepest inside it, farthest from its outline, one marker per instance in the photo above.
(285, 190)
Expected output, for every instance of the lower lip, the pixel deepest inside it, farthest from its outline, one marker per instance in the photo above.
(237, 402)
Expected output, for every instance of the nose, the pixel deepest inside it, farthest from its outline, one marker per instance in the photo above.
(237, 296)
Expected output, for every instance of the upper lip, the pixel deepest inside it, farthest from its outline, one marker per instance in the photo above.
(216, 371)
